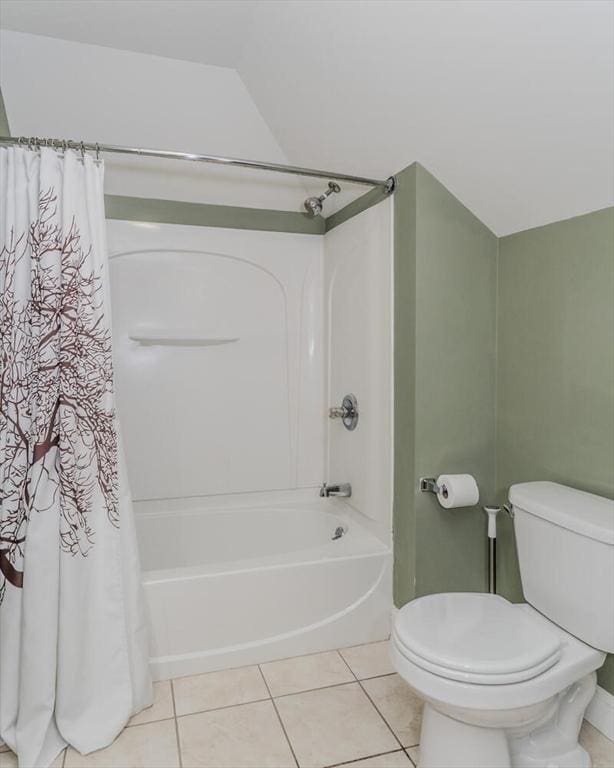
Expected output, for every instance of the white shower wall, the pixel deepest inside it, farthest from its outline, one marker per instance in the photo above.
(359, 279)
(246, 415)
(304, 319)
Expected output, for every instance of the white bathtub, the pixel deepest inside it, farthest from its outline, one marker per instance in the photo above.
(250, 578)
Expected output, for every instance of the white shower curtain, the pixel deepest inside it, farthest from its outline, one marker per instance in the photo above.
(73, 641)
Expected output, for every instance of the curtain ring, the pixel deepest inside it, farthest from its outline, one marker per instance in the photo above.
(82, 148)
(97, 152)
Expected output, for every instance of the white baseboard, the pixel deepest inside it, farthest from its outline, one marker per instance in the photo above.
(600, 712)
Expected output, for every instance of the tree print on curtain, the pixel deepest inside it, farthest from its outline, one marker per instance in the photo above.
(57, 420)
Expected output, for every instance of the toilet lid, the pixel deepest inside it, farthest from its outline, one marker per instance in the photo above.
(475, 638)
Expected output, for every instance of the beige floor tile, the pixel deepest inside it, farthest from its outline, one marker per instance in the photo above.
(303, 673)
(399, 705)
(145, 746)
(599, 747)
(162, 707)
(333, 725)
(247, 736)
(218, 689)
(9, 760)
(391, 760)
(414, 754)
(369, 660)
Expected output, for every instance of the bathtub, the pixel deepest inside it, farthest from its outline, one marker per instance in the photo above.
(250, 578)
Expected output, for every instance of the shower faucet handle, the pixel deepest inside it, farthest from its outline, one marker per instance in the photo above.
(347, 412)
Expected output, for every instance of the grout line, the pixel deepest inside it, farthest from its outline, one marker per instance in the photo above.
(270, 696)
(380, 714)
(364, 645)
(149, 722)
(332, 685)
(301, 656)
(376, 677)
(254, 701)
(179, 755)
(347, 665)
(281, 722)
(409, 757)
(212, 672)
(313, 690)
(218, 709)
(368, 757)
(256, 664)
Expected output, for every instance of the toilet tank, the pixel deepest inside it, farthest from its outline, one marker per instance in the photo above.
(565, 541)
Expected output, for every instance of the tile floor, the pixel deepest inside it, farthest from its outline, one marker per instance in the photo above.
(339, 708)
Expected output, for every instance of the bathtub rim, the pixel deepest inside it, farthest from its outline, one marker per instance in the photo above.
(357, 542)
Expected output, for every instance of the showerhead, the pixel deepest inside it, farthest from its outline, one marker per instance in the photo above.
(313, 205)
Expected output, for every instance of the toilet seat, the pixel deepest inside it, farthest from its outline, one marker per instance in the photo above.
(577, 659)
(475, 638)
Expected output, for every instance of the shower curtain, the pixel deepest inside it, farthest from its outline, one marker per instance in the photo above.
(73, 641)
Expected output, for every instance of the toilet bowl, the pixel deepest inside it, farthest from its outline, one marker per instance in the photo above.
(506, 685)
(502, 685)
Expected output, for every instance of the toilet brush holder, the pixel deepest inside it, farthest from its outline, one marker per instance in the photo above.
(492, 547)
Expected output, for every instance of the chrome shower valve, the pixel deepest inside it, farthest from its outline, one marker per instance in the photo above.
(347, 412)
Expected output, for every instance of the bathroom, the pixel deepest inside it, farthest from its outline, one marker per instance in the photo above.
(327, 312)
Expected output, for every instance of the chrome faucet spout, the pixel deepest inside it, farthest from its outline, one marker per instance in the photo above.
(335, 489)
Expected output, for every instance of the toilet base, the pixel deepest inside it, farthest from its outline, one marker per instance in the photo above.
(448, 743)
(549, 741)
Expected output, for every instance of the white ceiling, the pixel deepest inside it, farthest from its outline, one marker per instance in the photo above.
(210, 32)
(510, 103)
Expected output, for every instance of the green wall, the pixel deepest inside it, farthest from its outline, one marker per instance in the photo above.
(555, 394)
(445, 303)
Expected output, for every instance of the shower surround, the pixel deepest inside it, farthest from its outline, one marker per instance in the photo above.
(229, 347)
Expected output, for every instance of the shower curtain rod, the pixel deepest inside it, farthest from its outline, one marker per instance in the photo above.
(386, 184)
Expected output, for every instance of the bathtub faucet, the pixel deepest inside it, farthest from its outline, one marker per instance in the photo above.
(335, 489)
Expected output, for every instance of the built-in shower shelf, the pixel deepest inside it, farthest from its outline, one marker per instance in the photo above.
(156, 338)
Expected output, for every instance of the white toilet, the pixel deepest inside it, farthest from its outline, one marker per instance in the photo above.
(504, 684)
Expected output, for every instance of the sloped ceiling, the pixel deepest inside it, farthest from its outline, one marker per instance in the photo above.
(509, 103)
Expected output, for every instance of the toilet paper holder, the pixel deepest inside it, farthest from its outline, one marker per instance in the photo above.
(429, 485)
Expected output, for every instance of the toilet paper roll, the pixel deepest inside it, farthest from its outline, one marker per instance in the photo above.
(457, 491)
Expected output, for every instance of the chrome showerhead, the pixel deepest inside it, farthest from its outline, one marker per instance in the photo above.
(313, 205)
